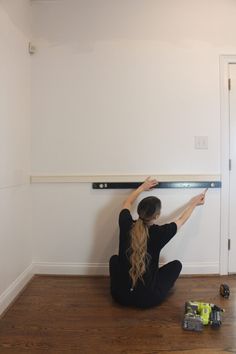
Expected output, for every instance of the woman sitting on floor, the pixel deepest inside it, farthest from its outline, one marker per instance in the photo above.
(136, 279)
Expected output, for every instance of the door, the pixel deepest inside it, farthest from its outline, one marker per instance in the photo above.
(232, 183)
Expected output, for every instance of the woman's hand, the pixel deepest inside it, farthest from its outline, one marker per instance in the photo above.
(148, 184)
(145, 186)
(199, 199)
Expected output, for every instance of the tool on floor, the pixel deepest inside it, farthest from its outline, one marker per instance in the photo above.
(224, 291)
(199, 314)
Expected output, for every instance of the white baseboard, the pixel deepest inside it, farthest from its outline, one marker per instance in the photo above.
(70, 268)
(103, 268)
(201, 268)
(14, 289)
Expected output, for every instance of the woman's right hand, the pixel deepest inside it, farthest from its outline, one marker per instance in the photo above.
(199, 199)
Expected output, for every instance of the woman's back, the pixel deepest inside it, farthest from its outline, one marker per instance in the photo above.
(158, 237)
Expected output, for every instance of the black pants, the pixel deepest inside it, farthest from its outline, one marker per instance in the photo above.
(165, 279)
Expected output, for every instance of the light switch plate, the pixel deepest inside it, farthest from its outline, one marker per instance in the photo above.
(201, 142)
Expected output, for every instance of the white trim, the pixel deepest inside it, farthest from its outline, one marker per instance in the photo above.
(103, 268)
(17, 182)
(201, 268)
(14, 186)
(70, 268)
(14, 289)
(73, 178)
(225, 60)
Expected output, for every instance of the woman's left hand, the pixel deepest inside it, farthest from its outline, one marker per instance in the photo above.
(149, 184)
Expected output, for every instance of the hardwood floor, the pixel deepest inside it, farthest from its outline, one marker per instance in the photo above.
(70, 314)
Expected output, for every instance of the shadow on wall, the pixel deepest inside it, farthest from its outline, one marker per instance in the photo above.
(184, 237)
(164, 219)
(106, 233)
(75, 21)
(19, 11)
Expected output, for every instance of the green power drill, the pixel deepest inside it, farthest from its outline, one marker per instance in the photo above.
(198, 314)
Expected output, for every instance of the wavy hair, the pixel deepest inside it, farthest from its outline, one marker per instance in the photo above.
(139, 258)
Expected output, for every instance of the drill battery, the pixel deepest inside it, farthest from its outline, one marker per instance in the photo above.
(215, 316)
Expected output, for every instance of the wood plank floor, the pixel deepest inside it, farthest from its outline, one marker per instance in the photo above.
(70, 314)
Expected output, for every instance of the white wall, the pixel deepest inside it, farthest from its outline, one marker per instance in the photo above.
(76, 231)
(15, 199)
(123, 87)
(134, 82)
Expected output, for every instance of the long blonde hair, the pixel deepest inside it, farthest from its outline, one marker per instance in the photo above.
(139, 257)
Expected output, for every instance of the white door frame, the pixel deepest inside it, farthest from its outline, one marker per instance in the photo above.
(225, 60)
